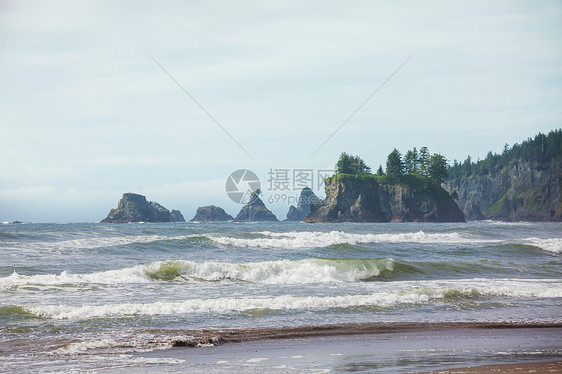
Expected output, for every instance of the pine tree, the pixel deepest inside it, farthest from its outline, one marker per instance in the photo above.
(394, 165)
(423, 160)
(437, 170)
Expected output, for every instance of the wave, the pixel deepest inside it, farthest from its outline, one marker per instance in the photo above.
(308, 239)
(108, 241)
(313, 270)
(409, 296)
(551, 245)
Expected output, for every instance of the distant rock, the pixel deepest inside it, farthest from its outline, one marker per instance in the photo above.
(211, 213)
(176, 216)
(255, 210)
(306, 198)
(135, 208)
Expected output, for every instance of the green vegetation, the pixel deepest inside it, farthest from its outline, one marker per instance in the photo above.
(542, 149)
(418, 171)
(350, 164)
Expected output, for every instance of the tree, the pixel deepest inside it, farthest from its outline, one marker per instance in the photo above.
(424, 160)
(358, 166)
(394, 165)
(379, 170)
(437, 171)
(344, 164)
(411, 162)
(349, 164)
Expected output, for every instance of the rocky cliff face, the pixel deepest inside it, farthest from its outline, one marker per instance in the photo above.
(306, 198)
(211, 213)
(364, 200)
(522, 191)
(135, 208)
(255, 210)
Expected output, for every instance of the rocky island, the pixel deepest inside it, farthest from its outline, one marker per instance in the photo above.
(364, 199)
(211, 213)
(306, 198)
(405, 193)
(135, 208)
(255, 210)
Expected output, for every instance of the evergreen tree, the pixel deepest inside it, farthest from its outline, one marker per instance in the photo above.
(423, 160)
(394, 165)
(349, 164)
(437, 170)
(380, 171)
(344, 164)
(411, 162)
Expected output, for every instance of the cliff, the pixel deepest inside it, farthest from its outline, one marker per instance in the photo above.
(306, 198)
(364, 199)
(135, 208)
(519, 191)
(211, 213)
(255, 210)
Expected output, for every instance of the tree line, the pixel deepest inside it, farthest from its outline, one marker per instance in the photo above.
(541, 149)
(422, 164)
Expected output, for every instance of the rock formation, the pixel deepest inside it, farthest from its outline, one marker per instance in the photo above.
(255, 210)
(520, 191)
(211, 213)
(176, 216)
(363, 199)
(306, 198)
(135, 208)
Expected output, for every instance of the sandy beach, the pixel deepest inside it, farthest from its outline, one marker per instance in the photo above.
(362, 348)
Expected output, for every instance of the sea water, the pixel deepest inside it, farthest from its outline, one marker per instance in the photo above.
(92, 296)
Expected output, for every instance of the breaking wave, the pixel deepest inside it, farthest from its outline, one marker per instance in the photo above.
(313, 270)
(307, 239)
(551, 245)
(408, 296)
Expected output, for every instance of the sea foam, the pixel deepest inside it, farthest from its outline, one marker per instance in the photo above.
(407, 296)
(551, 245)
(315, 239)
(312, 270)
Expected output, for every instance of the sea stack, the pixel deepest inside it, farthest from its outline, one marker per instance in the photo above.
(255, 210)
(302, 209)
(363, 199)
(135, 208)
(211, 213)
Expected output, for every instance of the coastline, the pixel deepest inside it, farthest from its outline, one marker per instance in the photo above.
(202, 338)
(518, 368)
(372, 347)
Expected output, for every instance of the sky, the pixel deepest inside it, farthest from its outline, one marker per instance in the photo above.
(166, 99)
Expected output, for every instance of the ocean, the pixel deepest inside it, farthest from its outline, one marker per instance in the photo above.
(94, 297)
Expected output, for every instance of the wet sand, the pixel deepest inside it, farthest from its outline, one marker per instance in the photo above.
(372, 348)
(551, 367)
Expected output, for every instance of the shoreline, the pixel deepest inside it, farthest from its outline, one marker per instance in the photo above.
(467, 347)
(517, 368)
(206, 337)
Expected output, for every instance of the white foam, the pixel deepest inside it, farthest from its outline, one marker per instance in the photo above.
(412, 293)
(268, 272)
(308, 239)
(121, 276)
(95, 242)
(551, 245)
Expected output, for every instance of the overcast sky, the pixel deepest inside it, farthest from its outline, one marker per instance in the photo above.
(86, 114)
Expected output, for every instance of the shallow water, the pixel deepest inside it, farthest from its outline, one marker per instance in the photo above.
(91, 295)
